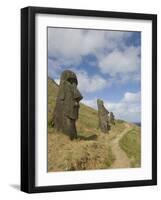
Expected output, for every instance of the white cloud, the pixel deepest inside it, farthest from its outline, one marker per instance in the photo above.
(66, 48)
(132, 97)
(128, 108)
(54, 64)
(121, 62)
(64, 43)
(88, 83)
(71, 44)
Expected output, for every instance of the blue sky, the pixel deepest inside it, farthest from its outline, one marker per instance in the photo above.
(107, 64)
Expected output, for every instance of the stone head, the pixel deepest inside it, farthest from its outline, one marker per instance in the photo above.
(69, 94)
(68, 76)
(99, 102)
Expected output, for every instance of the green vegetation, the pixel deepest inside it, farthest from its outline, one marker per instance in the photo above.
(120, 121)
(110, 159)
(130, 143)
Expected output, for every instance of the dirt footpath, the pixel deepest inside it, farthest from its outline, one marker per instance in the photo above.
(122, 161)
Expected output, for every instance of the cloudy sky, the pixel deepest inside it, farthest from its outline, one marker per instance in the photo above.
(107, 64)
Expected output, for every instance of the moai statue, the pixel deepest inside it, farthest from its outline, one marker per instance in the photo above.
(103, 118)
(112, 118)
(67, 104)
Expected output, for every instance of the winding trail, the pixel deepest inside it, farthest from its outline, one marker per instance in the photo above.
(121, 159)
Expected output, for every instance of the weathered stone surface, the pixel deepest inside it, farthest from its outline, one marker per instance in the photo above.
(103, 118)
(67, 104)
(112, 118)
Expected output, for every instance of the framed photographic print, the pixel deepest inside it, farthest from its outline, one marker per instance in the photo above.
(88, 99)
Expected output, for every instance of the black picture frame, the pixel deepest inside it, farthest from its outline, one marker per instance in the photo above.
(28, 98)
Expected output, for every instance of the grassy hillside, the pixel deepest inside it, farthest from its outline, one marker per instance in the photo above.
(130, 143)
(93, 149)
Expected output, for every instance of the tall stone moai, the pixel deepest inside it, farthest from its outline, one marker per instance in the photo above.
(67, 104)
(103, 118)
(112, 118)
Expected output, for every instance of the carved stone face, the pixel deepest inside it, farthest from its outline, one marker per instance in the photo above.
(67, 104)
(70, 94)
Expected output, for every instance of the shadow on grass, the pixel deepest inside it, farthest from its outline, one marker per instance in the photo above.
(91, 137)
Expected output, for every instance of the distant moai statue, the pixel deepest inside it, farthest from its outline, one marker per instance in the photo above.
(67, 104)
(103, 118)
(112, 118)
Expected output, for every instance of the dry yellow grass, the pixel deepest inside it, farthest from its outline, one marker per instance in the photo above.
(80, 154)
(92, 150)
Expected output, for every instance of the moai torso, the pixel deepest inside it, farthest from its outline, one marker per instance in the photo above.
(103, 118)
